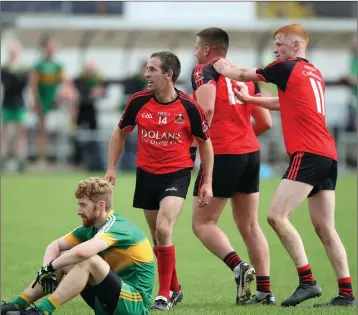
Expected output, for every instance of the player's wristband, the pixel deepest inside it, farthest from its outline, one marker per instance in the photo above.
(50, 267)
(193, 153)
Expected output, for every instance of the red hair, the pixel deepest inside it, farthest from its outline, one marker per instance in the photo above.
(293, 29)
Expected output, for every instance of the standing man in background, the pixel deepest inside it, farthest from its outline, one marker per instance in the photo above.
(14, 131)
(131, 85)
(46, 77)
(90, 88)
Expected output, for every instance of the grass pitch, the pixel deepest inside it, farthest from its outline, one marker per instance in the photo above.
(36, 209)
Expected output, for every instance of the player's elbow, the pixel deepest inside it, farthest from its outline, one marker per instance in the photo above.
(209, 111)
(267, 124)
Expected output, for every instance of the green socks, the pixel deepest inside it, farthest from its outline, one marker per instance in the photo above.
(48, 305)
(21, 302)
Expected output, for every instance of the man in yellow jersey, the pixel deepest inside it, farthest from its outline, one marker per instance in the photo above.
(107, 260)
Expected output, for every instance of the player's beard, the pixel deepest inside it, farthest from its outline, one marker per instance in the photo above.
(86, 222)
(89, 220)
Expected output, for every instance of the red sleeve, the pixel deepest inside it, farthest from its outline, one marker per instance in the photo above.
(203, 74)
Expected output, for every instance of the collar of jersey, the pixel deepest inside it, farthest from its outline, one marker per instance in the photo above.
(170, 101)
(109, 214)
(303, 59)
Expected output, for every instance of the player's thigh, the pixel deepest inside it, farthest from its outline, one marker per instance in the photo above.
(245, 209)
(209, 213)
(146, 191)
(227, 169)
(130, 302)
(173, 190)
(170, 208)
(289, 195)
(321, 207)
(249, 181)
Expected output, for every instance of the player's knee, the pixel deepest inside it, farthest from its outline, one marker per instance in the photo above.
(324, 231)
(196, 228)
(274, 220)
(162, 233)
(90, 262)
(247, 229)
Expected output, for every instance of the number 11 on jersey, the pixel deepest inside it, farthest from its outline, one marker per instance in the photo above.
(318, 95)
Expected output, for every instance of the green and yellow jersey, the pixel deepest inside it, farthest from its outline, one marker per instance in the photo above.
(129, 254)
(49, 75)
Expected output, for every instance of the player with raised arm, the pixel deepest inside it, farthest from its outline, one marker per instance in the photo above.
(312, 171)
(236, 169)
(168, 120)
(107, 260)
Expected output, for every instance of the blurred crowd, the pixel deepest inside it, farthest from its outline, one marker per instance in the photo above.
(44, 87)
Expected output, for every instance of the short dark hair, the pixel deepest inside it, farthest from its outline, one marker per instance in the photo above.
(216, 38)
(169, 61)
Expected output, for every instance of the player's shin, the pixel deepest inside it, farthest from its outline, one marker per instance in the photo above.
(72, 285)
(290, 239)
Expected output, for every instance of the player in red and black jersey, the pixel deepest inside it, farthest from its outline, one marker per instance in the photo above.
(168, 121)
(236, 168)
(312, 171)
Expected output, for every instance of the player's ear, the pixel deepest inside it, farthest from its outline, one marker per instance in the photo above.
(206, 50)
(296, 45)
(170, 74)
(101, 205)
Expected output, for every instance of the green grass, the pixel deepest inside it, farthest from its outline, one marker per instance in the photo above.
(37, 209)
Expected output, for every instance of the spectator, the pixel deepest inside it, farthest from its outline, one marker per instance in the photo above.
(90, 88)
(132, 85)
(14, 131)
(45, 82)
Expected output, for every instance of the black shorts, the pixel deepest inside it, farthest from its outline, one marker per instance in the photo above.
(233, 173)
(107, 293)
(151, 188)
(316, 170)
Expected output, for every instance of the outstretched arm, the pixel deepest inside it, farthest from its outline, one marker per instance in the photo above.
(242, 74)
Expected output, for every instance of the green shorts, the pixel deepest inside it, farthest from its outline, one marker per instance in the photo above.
(47, 107)
(13, 115)
(130, 302)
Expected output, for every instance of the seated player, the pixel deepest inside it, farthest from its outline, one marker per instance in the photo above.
(107, 260)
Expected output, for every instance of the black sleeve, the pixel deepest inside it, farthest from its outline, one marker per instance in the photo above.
(203, 74)
(134, 104)
(198, 123)
(277, 72)
(257, 88)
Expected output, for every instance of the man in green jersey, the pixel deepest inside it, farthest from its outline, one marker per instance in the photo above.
(13, 131)
(107, 260)
(46, 78)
